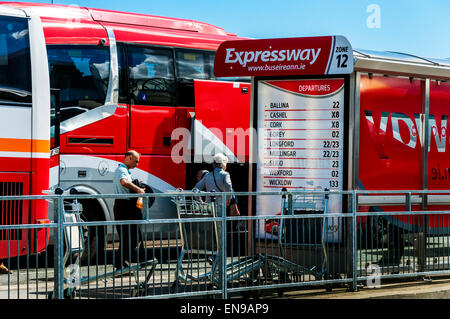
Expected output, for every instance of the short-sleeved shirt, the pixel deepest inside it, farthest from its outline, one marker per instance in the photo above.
(120, 173)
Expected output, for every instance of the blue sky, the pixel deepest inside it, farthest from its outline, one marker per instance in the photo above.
(415, 27)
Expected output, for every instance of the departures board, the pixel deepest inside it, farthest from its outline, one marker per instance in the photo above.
(301, 137)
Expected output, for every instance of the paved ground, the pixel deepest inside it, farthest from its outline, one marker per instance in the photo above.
(37, 283)
(121, 287)
(437, 288)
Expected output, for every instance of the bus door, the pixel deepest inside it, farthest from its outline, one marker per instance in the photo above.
(222, 120)
(221, 124)
(152, 97)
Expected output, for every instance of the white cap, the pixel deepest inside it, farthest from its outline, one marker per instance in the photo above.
(219, 158)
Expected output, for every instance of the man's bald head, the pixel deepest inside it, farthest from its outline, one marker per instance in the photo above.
(131, 152)
(131, 159)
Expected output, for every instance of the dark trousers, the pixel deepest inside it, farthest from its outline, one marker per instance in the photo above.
(129, 235)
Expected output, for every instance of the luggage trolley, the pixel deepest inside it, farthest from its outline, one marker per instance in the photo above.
(74, 245)
(201, 239)
(304, 203)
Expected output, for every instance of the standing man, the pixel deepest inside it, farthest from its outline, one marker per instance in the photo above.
(125, 209)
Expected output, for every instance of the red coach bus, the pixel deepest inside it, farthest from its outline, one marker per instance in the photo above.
(129, 81)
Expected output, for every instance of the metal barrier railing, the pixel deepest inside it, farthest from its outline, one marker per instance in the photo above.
(380, 235)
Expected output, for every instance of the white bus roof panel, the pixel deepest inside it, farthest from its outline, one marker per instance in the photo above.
(12, 12)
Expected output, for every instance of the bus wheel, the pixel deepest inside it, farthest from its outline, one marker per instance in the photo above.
(94, 236)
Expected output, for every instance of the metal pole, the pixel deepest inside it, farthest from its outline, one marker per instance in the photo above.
(408, 202)
(354, 246)
(58, 257)
(224, 247)
(146, 210)
(425, 146)
(290, 212)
